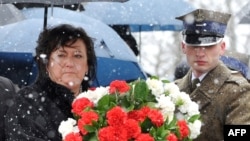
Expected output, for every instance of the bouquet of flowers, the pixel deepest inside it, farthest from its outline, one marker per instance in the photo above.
(142, 110)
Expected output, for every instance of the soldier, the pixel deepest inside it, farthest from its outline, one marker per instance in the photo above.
(223, 95)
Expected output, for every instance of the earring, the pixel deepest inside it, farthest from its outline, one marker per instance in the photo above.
(86, 78)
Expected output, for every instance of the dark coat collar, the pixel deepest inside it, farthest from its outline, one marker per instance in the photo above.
(45, 88)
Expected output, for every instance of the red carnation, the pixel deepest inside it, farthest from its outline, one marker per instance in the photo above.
(73, 137)
(136, 115)
(133, 128)
(156, 117)
(116, 116)
(86, 119)
(111, 133)
(145, 110)
(144, 137)
(118, 86)
(171, 137)
(89, 116)
(92, 88)
(183, 128)
(80, 104)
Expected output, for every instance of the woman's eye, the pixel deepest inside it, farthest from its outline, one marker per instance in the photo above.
(61, 55)
(78, 56)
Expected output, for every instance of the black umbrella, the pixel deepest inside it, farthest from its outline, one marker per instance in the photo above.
(46, 3)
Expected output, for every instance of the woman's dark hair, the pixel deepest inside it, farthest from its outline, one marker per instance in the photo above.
(63, 35)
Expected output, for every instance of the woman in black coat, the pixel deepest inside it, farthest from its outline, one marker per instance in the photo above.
(66, 63)
(7, 93)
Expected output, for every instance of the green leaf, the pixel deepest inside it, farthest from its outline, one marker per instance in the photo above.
(89, 128)
(146, 125)
(172, 125)
(105, 102)
(150, 104)
(141, 91)
(165, 81)
(154, 77)
(125, 101)
(194, 118)
(90, 137)
(150, 98)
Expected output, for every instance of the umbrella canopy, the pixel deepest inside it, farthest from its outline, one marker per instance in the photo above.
(244, 14)
(141, 15)
(10, 14)
(18, 40)
(57, 2)
(46, 3)
(111, 43)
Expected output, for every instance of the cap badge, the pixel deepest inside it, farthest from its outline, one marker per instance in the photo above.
(199, 16)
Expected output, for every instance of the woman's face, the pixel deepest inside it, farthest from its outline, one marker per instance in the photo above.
(68, 65)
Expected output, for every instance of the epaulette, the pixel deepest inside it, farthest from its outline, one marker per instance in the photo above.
(234, 72)
(237, 77)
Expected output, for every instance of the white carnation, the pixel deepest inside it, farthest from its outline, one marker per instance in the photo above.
(95, 95)
(185, 99)
(155, 86)
(172, 88)
(175, 96)
(193, 109)
(166, 106)
(195, 129)
(67, 127)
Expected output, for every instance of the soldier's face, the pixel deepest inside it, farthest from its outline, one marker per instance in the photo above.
(203, 58)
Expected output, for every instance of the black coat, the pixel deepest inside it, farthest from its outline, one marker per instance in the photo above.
(38, 111)
(7, 93)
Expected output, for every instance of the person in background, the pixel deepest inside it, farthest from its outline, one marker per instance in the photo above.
(66, 63)
(223, 95)
(124, 32)
(7, 93)
(181, 69)
(130, 40)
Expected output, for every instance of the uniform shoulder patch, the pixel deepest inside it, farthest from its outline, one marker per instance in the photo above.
(237, 77)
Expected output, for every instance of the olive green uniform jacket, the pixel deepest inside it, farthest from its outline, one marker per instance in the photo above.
(223, 98)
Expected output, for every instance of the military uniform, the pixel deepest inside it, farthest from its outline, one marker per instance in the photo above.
(223, 98)
(223, 95)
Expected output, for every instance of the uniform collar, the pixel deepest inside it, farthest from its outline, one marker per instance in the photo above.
(210, 86)
(200, 78)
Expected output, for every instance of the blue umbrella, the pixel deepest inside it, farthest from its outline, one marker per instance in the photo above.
(141, 15)
(19, 67)
(108, 43)
(18, 40)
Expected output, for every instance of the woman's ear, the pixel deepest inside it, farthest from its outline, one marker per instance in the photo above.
(183, 48)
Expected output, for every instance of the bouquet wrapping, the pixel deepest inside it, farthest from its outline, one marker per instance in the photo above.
(142, 110)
